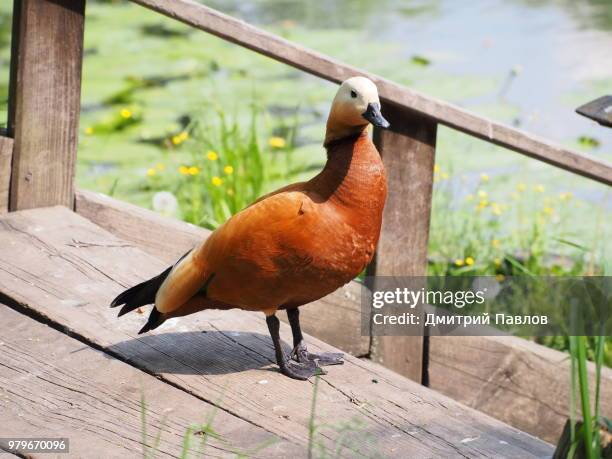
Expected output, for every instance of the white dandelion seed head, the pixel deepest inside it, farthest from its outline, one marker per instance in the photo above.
(165, 203)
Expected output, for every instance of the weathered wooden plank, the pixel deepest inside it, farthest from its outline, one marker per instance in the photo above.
(168, 239)
(6, 156)
(45, 101)
(52, 385)
(57, 265)
(408, 151)
(512, 379)
(253, 38)
(165, 238)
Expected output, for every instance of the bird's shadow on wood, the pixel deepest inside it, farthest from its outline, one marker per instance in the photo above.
(199, 353)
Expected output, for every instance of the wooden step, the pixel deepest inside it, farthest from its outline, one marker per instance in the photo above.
(62, 269)
(57, 386)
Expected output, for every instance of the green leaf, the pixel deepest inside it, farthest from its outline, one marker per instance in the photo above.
(420, 60)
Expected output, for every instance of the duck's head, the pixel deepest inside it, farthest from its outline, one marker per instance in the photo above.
(356, 104)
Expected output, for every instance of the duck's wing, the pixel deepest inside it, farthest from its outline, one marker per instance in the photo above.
(249, 238)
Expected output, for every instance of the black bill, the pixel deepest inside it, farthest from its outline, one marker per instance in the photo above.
(373, 115)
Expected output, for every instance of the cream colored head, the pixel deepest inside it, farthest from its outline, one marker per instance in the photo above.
(356, 104)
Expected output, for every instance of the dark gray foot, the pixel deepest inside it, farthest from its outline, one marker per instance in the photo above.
(300, 354)
(301, 370)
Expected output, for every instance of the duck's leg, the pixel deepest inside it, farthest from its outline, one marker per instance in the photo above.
(293, 369)
(300, 352)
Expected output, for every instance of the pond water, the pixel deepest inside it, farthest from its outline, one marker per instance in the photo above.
(539, 59)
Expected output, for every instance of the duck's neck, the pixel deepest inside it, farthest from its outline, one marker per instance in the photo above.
(347, 176)
(337, 131)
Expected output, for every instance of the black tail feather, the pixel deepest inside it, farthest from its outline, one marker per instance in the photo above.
(140, 295)
(156, 318)
(143, 294)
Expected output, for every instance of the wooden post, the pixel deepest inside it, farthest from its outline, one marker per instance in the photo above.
(6, 155)
(408, 151)
(44, 101)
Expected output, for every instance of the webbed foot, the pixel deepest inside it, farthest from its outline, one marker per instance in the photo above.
(301, 370)
(300, 354)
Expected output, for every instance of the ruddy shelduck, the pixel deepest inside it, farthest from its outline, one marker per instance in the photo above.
(292, 246)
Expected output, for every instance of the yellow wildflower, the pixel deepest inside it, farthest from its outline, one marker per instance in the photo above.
(184, 170)
(125, 113)
(499, 277)
(193, 170)
(484, 178)
(469, 261)
(444, 175)
(482, 194)
(497, 262)
(89, 130)
(229, 170)
(216, 181)
(180, 138)
(539, 188)
(496, 208)
(482, 204)
(521, 187)
(160, 167)
(151, 172)
(549, 210)
(436, 168)
(469, 197)
(212, 155)
(459, 262)
(495, 243)
(277, 142)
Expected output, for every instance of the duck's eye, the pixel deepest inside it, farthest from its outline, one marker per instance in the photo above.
(353, 94)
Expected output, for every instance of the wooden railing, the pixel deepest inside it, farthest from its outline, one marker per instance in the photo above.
(44, 99)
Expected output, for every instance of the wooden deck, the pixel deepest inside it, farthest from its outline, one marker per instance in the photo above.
(68, 367)
(517, 381)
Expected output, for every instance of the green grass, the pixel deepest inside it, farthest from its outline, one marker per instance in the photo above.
(585, 429)
(585, 436)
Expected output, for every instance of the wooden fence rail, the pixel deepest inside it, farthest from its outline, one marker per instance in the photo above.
(253, 38)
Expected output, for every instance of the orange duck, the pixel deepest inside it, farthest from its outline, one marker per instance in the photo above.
(292, 246)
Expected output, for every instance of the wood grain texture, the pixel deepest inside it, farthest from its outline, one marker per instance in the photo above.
(335, 319)
(408, 151)
(165, 238)
(52, 385)
(45, 101)
(512, 379)
(6, 156)
(253, 38)
(226, 356)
